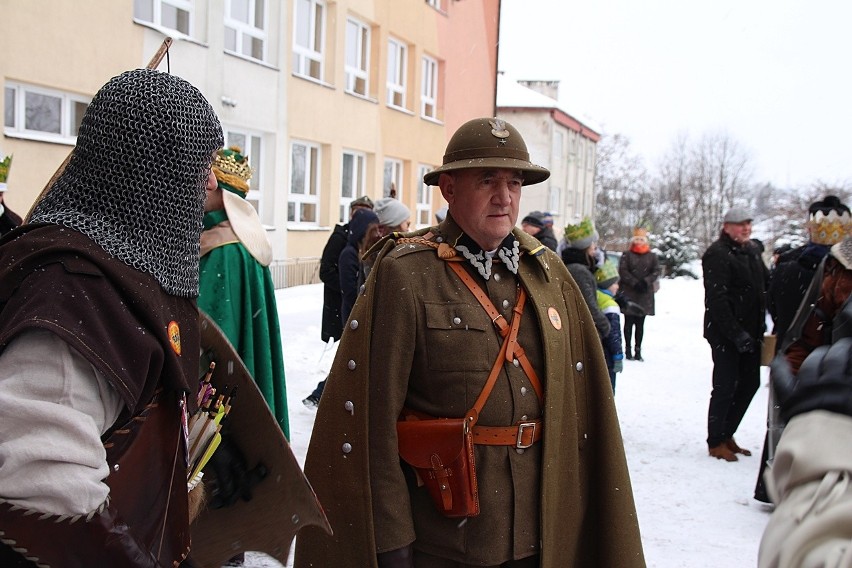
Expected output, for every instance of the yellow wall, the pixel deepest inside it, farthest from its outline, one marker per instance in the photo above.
(462, 39)
(69, 46)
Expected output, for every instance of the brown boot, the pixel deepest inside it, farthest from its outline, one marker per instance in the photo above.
(723, 452)
(732, 445)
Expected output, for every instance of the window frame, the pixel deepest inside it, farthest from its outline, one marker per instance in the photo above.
(312, 171)
(358, 181)
(68, 129)
(364, 34)
(396, 177)
(304, 56)
(245, 29)
(187, 6)
(423, 214)
(255, 153)
(429, 87)
(397, 82)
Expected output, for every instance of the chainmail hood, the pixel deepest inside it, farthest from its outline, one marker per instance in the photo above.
(135, 183)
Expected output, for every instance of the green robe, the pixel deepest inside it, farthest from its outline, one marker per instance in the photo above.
(237, 292)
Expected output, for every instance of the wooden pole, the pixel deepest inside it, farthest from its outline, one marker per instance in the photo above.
(153, 64)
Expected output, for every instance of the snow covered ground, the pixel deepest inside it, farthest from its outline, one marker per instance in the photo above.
(694, 511)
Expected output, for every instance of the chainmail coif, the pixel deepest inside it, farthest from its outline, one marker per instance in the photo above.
(135, 183)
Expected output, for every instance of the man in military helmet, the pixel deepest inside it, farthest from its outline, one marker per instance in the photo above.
(486, 325)
(99, 336)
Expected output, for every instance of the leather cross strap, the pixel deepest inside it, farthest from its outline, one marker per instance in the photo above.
(514, 350)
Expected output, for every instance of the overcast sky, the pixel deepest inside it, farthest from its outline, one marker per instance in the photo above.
(775, 75)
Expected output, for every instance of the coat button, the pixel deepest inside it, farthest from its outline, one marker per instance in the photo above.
(579, 366)
(525, 417)
(350, 407)
(351, 364)
(362, 288)
(353, 324)
(347, 447)
(505, 303)
(523, 391)
(497, 278)
(456, 320)
(516, 363)
(519, 450)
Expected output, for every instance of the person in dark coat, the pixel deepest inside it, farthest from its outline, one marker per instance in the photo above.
(332, 328)
(540, 226)
(734, 321)
(579, 253)
(639, 270)
(363, 232)
(828, 221)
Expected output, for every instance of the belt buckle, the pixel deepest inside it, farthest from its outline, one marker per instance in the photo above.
(519, 443)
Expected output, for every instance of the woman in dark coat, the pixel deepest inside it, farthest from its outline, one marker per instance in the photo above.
(578, 251)
(363, 231)
(639, 271)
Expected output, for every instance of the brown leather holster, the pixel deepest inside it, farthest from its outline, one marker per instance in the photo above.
(145, 521)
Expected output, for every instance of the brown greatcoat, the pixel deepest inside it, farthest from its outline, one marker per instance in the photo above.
(417, 337)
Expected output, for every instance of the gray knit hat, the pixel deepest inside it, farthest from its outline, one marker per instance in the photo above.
(392, 212)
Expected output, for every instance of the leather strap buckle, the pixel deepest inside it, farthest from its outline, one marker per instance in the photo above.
(523, 427)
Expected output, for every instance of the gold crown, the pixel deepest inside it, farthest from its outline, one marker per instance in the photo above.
(830, 229)
(232, 168)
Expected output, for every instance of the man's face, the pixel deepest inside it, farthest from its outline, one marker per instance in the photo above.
(213, 201)
(531, 230)
(484, 202)
(739, 232)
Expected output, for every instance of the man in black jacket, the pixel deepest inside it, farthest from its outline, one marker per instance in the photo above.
(829, 220)
(332, 327)
(734, 321)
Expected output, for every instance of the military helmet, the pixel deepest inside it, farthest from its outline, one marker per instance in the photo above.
(488, 143)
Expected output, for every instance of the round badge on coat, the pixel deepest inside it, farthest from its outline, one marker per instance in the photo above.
(174, 336)
(554, 318)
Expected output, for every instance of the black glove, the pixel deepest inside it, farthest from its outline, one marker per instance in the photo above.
(399, 558)
(824, 381)
(641, 286)
(745, 343)
(233, 478)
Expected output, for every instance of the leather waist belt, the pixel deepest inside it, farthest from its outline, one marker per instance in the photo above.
(522, 435)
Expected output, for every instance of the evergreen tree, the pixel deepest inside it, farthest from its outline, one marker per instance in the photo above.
(675, 252)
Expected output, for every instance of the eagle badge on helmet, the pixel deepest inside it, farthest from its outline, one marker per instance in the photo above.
(498, 128)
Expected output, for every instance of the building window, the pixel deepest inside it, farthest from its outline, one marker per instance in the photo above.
(42, 114)
(397, 69)
(392, 185)
(308, 38)
(171, 14)
(252, 146)
(353, 181)
(357, 57)
(555, 201)
(245, 28)
(429, 94)
(303, 202)
(424, 198)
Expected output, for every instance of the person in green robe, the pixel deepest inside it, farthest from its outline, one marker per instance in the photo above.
(236, 288)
